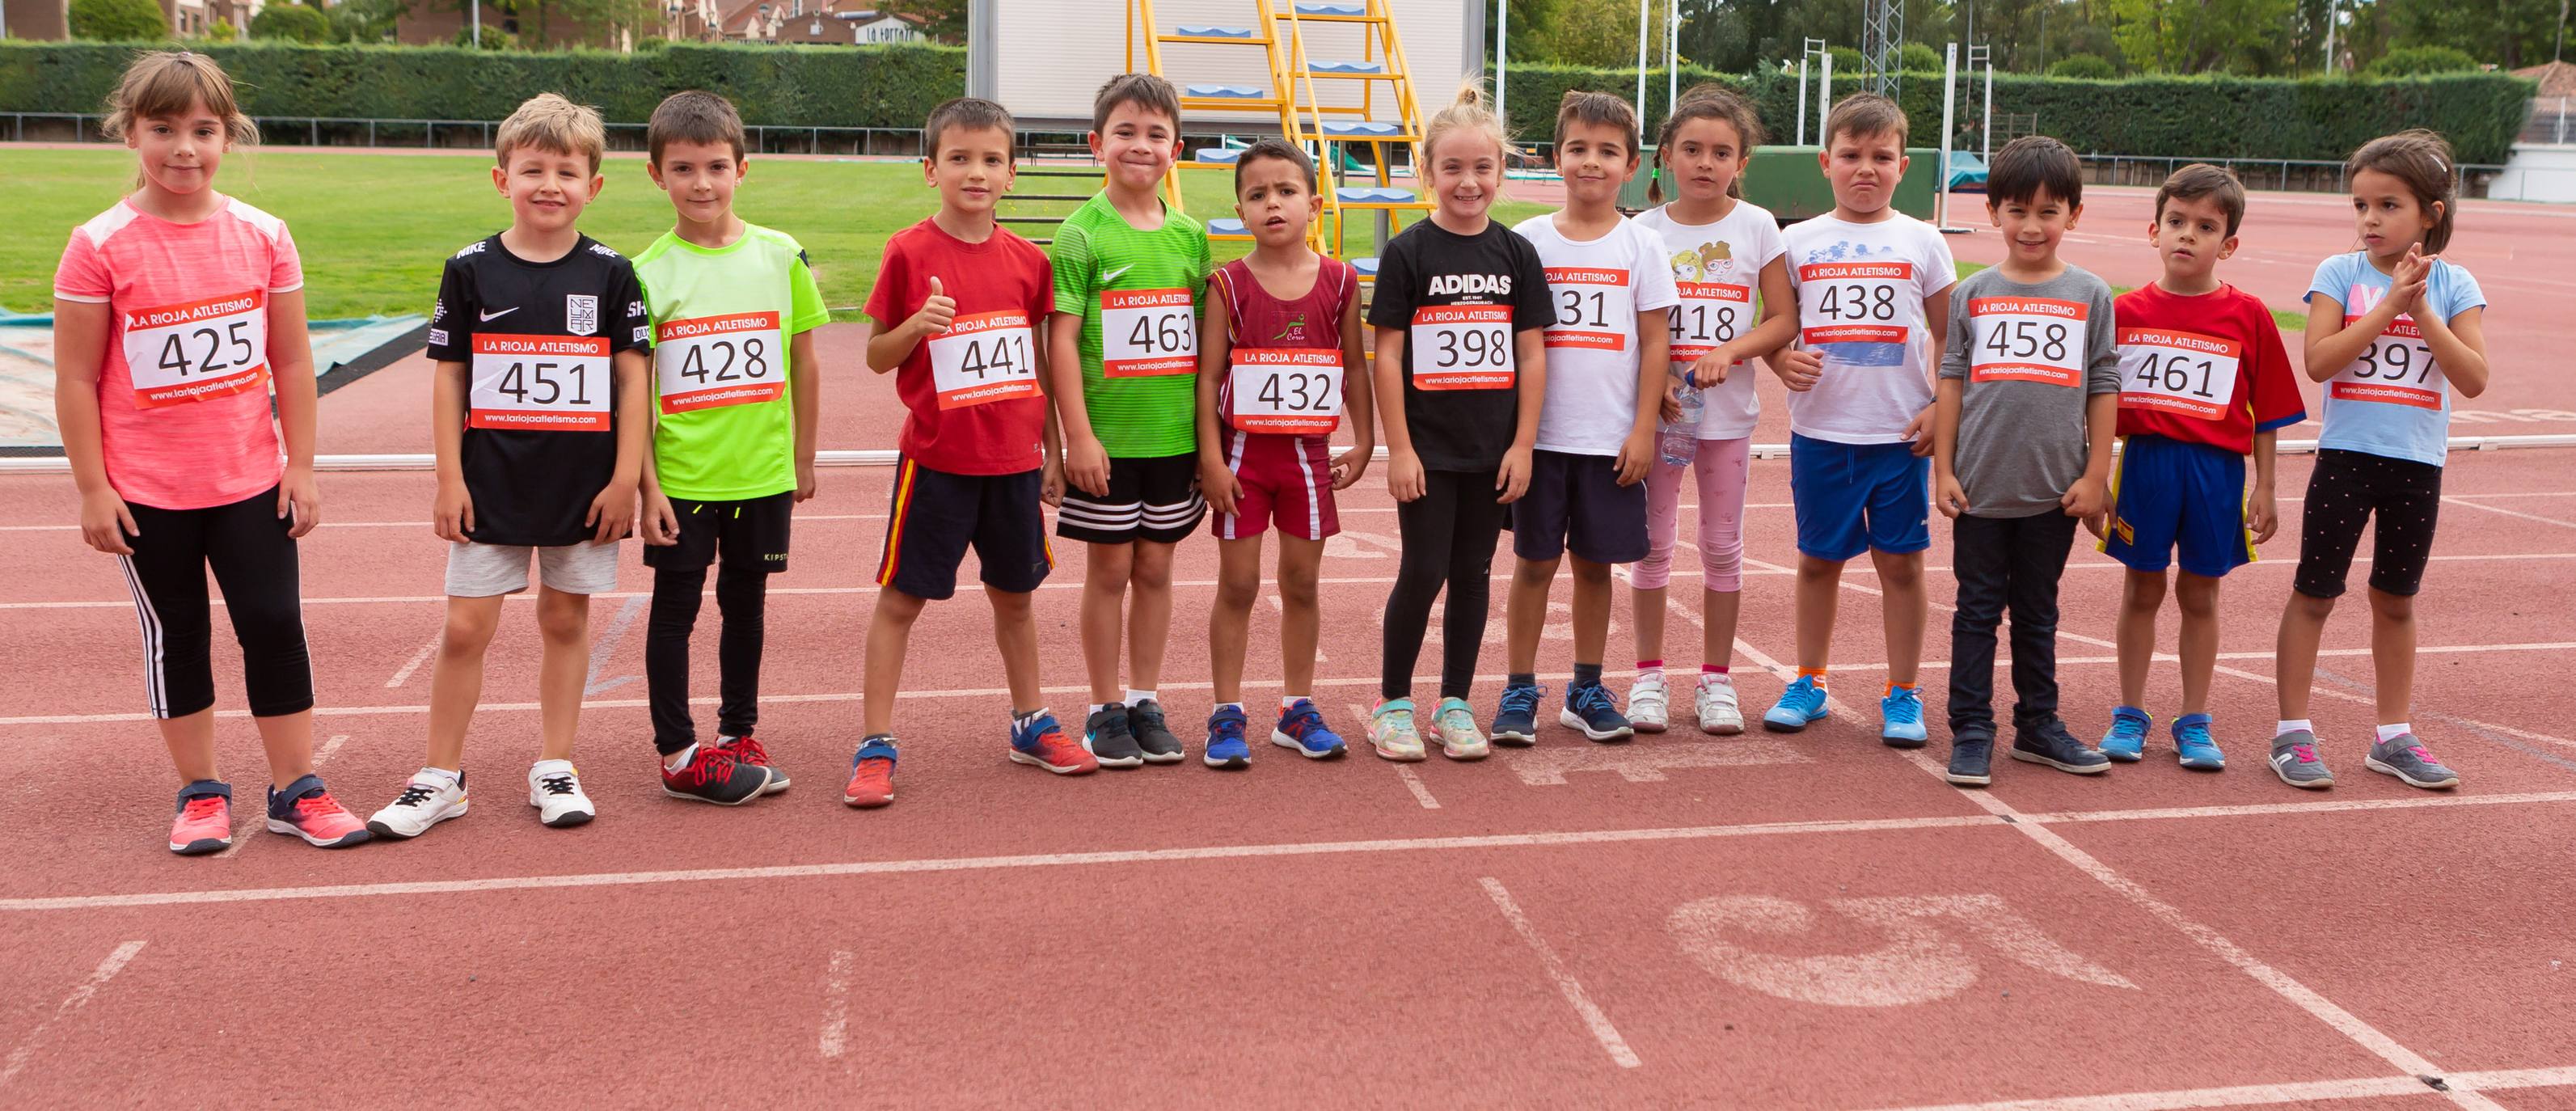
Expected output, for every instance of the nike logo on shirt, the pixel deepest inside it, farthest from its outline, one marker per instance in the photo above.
(1110, 276)
(491, 316)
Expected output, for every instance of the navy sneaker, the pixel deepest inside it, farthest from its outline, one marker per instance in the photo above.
(1590, 709)
(1516, 724)
(1972, 760)
(1154, 740)
(1225, 747)
(2049, 743)
(1106, 735)
(1301, 727)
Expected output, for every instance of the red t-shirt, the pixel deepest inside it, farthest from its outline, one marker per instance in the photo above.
(1258, 321)
(2205, 370)
(977, 405)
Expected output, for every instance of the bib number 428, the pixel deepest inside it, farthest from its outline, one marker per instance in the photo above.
(710, 362)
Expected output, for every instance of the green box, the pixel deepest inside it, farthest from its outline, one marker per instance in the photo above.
(1786, 180)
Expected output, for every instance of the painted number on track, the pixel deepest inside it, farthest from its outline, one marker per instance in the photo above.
(1924, 959)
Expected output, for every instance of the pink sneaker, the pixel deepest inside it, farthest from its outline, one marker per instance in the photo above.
(205, 822)
(305, 809)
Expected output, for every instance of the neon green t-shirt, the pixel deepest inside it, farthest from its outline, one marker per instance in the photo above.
(724, 417)
(1140, 294)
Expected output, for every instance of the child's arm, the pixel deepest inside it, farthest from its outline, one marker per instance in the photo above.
(2260, 509)
(2459, 347)
(1051, 469)
(1935, 307)
(1216, 347)
(452, 515)
(1530, 355)
(889, 347)
(1403, 468)
(1086, 464)
(805, 392)
(2332, 344)
(657, 523)
(1766, 340)
(613, 511)
(1947, 495)
(2088, 497)
(1654, 362)
(1356, 400)
(80, 349)
(290, 365)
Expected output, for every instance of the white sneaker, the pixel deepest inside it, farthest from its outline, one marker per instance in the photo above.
(1716, 704)
(1648, 702)
(425, 801)
(555, 791)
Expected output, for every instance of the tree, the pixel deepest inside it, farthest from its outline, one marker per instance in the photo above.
(1914, 57)
(2415, 61)
(2200, 36)
(2092, 66)
(1599, 33)
(2515, 33)
(118, 20)
(290, 23)
(363, 20)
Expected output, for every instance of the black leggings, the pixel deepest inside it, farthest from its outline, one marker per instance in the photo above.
(742, 595)
(2344, 491)
(1449, 534)
(253, 558)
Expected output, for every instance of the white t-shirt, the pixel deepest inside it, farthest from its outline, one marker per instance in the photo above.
(1717, 271)
(1860, 304)
(1598, 288)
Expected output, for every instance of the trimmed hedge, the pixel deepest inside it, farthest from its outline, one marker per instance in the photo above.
(776, 86)
(2321, 118)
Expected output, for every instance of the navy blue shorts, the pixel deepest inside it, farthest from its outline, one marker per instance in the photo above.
(1852, 498)
(2168, 494)
(938, 515)
(1575, 503)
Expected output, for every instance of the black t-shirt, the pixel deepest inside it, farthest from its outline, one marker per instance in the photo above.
(1427, 267)
(541, 406)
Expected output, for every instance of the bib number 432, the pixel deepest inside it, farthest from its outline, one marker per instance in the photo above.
(1291, 390)
(201, 350)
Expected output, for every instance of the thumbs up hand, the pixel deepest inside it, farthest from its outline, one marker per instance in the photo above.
(937, 312)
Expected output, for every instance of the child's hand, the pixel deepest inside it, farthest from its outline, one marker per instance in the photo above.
(1051, 482)
(2095, 523)
(661, 522)
(1087, 467)
(1669, 407)
(2406, 286)
(1636, 457)
(1918, 433)
(1798, 369)
(612, 513)
(105, 522)
(2086, 499)
(1404, 476)
(938, 311)
(1515, 478)
(2262, 515)
(1948, 496)
(1710, 369)
(1349, 466)
(298, 495)
(1218, 485)
(806, 483)
(452, 515)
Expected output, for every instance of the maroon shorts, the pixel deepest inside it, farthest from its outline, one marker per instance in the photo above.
(1285, 479)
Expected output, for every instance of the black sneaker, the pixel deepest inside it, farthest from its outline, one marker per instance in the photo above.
(1972, 760)
(715, 775)
(1106, 735)
(1159, 746)
(2050, 744)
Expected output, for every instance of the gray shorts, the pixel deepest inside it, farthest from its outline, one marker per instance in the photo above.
(483, 570)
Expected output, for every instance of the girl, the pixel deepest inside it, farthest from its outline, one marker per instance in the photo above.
(1724, 251)
(173, 313)
(1460, 373)
(2391, 328)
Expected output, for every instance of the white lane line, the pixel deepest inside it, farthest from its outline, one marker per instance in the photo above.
(2261, 809)
(107, 969)
(403, 674)
(1403, 771)
(1593, 1019)
(605, 645)
(2252, 1095)
(2509, 512)
(330, 748)
(836, 1004)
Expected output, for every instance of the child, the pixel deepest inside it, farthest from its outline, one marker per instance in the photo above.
(173, 312)
(539, 409)
(734, 308)
(1871, 283)
(1461, 369)
(1267, 409)
(1721, 247)
(1613, 295)
(1123, 350)
(954, 315)
(2391, 328)
(2203, 381)
(2021, 450)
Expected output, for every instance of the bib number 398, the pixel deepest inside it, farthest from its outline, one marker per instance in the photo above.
(1291, 390)
(984, 358)
(709, 362)
(540, 383)
(1146, 333)
(1462, 347)
(192, 352)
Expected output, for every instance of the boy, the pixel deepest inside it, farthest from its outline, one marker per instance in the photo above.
(1266, 412)
(737, 383)
(538, 408)
(954, 315)
(1870, 283)
(2204, 380)
(2021, 449)
(1123, 353)
(1607, 357)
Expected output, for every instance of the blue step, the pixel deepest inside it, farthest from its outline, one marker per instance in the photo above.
(1326, 7)
(1227, 226)
(1219, 155)
(1346, 67)
(1363, 128)
(1227, 92)
(1374, 196)
(1367, 267)
(1207, 32)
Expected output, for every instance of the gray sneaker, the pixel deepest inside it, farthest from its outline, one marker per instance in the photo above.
(2404, 757)
(2295, 760)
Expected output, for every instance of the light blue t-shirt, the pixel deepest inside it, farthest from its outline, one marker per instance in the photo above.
(2393, 400)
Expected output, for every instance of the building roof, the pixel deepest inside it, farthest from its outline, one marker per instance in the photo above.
(2555, 79)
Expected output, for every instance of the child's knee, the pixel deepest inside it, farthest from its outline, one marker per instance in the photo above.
(1297, 588)
(1588, 573)
(898, 607)
(1534, 574)
(1236, 590)
(467, 630)
(2394, 607)
(1721, 565)
(1109, 566)
(2143, 592)
(2310, 606)
(1151, 568)
(564, 624)
(2197, 598)
(1900, 572)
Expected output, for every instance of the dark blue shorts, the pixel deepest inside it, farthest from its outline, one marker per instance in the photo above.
(1575, 503)
(937, 516)
(1851, 498)
(2168, 494)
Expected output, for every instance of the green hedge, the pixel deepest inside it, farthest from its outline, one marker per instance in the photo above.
(2208, 117)
(779, 86)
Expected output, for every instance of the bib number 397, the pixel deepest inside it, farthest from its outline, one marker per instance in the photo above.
(540, 383)
(1462, 347)
(984, 358)
(709, 362)
(192, 352)
(2396, 369)
(1147, 333)
(1291, 390)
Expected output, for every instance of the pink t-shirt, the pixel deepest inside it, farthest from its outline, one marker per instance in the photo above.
(183, 392)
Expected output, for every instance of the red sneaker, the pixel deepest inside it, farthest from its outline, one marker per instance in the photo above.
(1043, 743)
(304, 809)
(205, 822)
(749, 752)
(871, 775)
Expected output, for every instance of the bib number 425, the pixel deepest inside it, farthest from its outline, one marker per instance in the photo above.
(193, 352)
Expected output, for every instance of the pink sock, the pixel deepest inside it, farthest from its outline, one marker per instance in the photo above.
(1712, 669)
(1650, 665)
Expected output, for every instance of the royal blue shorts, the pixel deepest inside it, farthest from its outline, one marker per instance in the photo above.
(1851, 498)
(2166, 494)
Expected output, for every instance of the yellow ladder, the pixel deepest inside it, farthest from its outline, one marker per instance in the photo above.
(1385, 121)
(1212, 96)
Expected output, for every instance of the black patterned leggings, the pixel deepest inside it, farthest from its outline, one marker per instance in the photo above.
(2343, 492)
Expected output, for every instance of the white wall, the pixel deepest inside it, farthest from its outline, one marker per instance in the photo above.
(2537, 172)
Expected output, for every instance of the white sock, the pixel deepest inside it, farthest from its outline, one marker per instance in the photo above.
(1096, 708)
(680, 759)
(1135, 696)
(2293, 726)
(443, 775)
(1237, 707)
(2389, 733)
(1290, 701)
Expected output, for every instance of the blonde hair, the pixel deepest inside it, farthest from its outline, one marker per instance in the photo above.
(551, 123)
(164, 84)
(1471, 111)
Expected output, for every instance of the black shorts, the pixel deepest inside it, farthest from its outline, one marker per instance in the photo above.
(1154, 499)
(937, 515)
(750, 535)
(2344, 492)
(1575, 503)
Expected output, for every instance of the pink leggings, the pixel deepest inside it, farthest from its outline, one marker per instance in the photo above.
(1721, 465)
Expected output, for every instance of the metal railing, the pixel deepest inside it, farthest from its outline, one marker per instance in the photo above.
(466, 134)
(2294, 175)
(2553, 120)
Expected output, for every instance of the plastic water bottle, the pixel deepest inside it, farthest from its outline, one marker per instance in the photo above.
(1680, 439)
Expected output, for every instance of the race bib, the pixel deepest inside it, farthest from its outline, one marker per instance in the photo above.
(540, 383)
(1595, 308)
(1293, 390)
(983, 358)
(1462, 347)
(211, 348)
(1147, 333)
(1711, 313)
(2184, 373)
(2027, 339)
(1853, 302)
(709, 362)
(2396, 369)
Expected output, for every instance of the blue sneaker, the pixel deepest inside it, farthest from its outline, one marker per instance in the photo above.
(1301, 727)
(1900, 717)
(1589, 708)
(1803, 702)
(2191, 739)
(1516, 724)
(2127, 740)
(1225, 747)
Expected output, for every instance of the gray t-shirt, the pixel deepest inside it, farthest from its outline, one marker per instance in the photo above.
(2029, 356)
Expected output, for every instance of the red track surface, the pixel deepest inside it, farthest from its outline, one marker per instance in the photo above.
(1686, 920)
